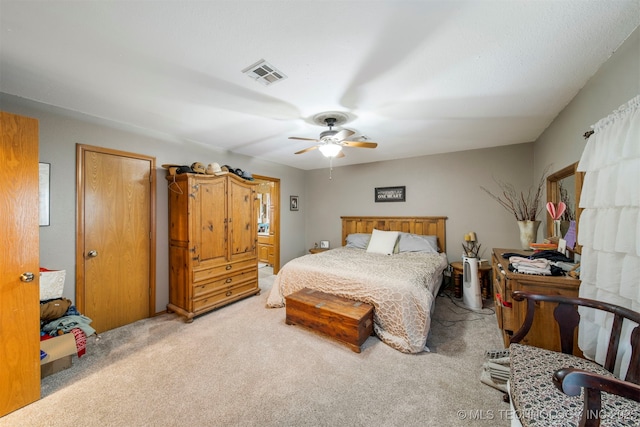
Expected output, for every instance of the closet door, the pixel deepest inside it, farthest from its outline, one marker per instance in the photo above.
(115, 242)
(20, 313)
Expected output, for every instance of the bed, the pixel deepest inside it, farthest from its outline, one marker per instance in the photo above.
(401, 285)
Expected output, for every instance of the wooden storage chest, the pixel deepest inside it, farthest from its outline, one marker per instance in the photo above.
(348, 321)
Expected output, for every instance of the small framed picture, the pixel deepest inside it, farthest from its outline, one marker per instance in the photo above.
(391, 194)
(562, 246)
(324, 244)
(44, 185)
(293, 203)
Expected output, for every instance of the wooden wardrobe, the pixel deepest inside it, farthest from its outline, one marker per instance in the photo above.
(213, 236)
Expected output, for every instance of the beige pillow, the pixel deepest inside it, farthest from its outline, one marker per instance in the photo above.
(382, 242)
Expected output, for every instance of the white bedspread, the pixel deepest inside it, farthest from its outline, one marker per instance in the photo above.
(401, 288)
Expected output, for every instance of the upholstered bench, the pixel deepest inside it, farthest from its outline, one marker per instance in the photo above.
(548, 388)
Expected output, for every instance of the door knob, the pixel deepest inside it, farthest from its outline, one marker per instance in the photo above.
(93, 254)
(27, 277)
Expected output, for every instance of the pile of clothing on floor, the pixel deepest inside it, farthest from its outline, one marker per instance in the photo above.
(545, 263)
(59, 316)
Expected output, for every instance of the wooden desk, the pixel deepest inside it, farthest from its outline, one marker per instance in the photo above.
(510, 314)
(484, 275)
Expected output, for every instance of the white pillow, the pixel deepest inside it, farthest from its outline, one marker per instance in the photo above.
(382, 242)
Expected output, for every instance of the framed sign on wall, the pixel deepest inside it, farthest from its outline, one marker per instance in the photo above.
(390, 194)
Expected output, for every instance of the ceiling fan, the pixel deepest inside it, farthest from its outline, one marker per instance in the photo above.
(331, 141)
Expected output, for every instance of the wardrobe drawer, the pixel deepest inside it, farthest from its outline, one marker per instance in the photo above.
(225, 296)
(202, 289)
(223, 269)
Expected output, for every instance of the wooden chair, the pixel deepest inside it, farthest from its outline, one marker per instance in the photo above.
(548, 384)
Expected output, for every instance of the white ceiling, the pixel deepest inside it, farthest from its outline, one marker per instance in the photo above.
(418, 77)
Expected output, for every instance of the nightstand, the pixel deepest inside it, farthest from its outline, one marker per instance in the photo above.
(484, 274)
(317, 250)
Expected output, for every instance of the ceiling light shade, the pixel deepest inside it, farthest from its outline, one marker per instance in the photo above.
(330, 149)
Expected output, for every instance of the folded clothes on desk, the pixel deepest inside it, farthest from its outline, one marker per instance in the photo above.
(550, 255)
(530, 266)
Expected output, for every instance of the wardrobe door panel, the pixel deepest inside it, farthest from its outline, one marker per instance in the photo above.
(211, 225)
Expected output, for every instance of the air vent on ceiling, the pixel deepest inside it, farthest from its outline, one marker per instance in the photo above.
(264, 73)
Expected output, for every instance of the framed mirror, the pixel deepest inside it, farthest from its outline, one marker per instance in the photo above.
(565, 186)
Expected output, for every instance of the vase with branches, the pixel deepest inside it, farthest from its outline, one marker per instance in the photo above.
(524, 205)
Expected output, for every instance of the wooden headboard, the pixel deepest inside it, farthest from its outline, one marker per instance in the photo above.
(425, 225)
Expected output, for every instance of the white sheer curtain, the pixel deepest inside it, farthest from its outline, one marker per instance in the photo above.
(609, 229)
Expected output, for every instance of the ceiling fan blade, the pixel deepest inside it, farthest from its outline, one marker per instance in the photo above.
(360, 144)
(344, 133)
(303, 139)
(307, 149)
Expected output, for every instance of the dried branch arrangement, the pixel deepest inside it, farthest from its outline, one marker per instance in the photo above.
(524, 206)
(471, 247)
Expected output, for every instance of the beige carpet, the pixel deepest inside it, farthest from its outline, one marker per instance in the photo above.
(242, 365)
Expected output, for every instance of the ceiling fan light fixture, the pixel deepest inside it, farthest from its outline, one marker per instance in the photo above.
(330, 149)
(327, 133)
(331, 118)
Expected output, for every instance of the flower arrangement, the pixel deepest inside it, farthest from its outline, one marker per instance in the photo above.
(523, 206)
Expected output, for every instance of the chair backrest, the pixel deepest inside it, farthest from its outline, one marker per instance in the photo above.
(567, 316)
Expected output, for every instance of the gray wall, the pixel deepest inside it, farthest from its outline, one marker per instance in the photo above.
(445, 184)
(615, 83)
(439, 185)
(449, 184)
(61, 130)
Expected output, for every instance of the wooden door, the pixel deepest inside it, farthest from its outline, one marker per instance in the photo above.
(242, 222)
(19, 254)
(274, 215)
(115, 280)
